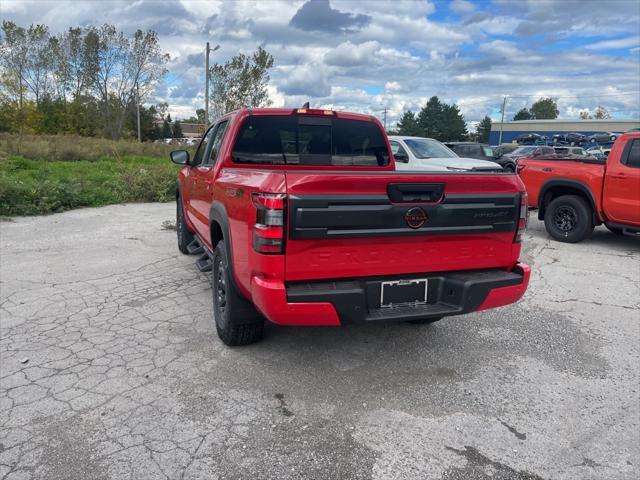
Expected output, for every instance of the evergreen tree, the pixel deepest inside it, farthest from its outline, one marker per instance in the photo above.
(408, 124)
(484, 129)
(430, 119)
(454, 127)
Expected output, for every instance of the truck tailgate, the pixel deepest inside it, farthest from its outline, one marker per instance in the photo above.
(348, 224)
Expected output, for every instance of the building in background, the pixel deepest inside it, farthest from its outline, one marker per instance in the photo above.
(548, 128)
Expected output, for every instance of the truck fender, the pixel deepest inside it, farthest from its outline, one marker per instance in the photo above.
(218, 215)
(568, 183)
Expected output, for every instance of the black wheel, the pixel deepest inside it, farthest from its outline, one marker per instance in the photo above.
(616, 230)
(424, 321)
(185, 237)
(569, 219)
(237, 321)
(509, 167)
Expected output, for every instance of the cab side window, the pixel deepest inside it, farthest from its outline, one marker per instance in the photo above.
(218, 135)
(633, 157)
(202, 148)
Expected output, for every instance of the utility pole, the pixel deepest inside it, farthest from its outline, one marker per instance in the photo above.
(385, 119)
(138, 111)
(206, 84)
(504, 105)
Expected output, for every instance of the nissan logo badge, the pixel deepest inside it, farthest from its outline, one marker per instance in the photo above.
(415, 217)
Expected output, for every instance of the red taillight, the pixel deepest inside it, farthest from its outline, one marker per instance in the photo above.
(523, 217)
(268, 231)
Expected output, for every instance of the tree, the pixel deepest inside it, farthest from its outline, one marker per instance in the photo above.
(408, 124)
(441, 121)
(430, 118)
(484, 129)
(166, 129)
(544, 109)
(200, 115)
(601, 113)
(127, 70)
(523, 114)
(584, 115)
(241, 82)
(177, 130)
(454, 127)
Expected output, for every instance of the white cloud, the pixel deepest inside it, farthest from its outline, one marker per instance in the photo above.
(397, 59)
(462, 6)
(626, 42)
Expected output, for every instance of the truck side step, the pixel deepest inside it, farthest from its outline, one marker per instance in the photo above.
(194, 247)
(633, 232)
(204, 263)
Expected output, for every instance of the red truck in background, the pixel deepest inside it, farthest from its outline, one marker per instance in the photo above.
(304, 221)
(573, 195)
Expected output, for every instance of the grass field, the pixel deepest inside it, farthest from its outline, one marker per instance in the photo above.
(47, 174)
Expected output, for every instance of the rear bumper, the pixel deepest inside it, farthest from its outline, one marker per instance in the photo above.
(332, 303)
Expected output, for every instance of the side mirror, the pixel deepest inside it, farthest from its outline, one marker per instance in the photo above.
(180, 157)
(400, 157)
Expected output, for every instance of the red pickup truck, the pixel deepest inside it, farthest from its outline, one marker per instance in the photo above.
(304, 221)
(573, 195)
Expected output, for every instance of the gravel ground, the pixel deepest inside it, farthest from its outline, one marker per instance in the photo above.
(111, 369)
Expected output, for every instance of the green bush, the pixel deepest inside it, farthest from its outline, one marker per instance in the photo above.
(74, 147)
(32, 187)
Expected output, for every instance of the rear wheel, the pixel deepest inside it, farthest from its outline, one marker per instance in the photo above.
(569, 219)
(424, 321)
(237, 321)
(185, 237)
(509, 167)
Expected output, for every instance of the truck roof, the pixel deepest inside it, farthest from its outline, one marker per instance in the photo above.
(310, 111)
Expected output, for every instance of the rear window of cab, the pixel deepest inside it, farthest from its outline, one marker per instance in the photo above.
(310, 140)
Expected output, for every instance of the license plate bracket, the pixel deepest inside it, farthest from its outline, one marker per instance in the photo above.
(396, 293)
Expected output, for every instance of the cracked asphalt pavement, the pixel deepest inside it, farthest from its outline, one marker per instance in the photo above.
(110, 368)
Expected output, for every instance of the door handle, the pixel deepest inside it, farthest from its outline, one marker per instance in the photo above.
(547, 169)
(621, 176)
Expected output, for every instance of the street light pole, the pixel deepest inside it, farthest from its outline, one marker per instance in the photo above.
(206, 84)
(504, 105)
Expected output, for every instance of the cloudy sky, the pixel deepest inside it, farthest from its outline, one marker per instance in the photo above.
(368, 55)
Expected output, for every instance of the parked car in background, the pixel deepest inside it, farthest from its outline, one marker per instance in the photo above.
(482, 151)
(573, 195)
(529, 151)
(531, 139)
(576, 151)
(570, 138)
(603, 137)
(427, 154)
(599, 152)
(507, 148)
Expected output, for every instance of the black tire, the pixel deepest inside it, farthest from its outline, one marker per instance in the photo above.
(237, 321)
(185, 237)
(569, 219)
(424, 321)
(509, 167)
(616, 230)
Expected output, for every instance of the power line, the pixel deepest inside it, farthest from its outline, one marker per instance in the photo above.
(465, 104)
